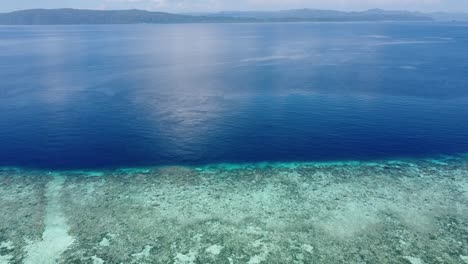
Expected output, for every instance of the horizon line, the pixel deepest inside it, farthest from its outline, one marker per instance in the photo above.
(222, 11)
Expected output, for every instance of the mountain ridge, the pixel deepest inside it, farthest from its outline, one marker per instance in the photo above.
(69, 16)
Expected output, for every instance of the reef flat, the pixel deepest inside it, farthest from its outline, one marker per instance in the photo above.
(356, 212)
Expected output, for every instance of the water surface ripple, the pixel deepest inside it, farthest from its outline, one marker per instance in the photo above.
(138, 95)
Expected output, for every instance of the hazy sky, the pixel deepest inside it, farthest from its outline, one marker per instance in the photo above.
(214, 5)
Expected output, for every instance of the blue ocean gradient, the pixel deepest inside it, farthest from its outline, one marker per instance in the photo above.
(82, 97)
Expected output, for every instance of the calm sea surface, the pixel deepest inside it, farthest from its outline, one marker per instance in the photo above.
(117, 96)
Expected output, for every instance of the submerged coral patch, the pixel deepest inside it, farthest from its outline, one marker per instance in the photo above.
(342, 212)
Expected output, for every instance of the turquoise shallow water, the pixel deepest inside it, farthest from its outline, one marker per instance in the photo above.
(439, 159)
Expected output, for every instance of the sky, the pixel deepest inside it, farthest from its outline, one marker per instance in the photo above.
(181, 6)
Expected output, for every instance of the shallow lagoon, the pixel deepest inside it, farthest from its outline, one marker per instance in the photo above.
(401, 211)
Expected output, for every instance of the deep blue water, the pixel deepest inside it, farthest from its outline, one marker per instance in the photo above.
(137, 95)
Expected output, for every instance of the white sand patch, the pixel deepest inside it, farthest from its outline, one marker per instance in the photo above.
(186, 258)
(414, 260)
(143, 254)
(353, 218)
(464, 258)
(7, 245)
(5, 259)
(55, 239)
(257, 259)
(415, 219)
(104, 242)
(97, 260)
(214, 250)
(308, 248)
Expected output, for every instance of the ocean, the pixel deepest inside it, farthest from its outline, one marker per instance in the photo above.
(234, 143)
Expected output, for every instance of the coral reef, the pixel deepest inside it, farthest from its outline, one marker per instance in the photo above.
(413, 211)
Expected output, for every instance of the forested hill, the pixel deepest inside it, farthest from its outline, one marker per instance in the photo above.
(80, 16)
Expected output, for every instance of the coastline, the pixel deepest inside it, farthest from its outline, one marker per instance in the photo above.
(442, 159)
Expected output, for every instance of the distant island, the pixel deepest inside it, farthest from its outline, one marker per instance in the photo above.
(81, 16)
